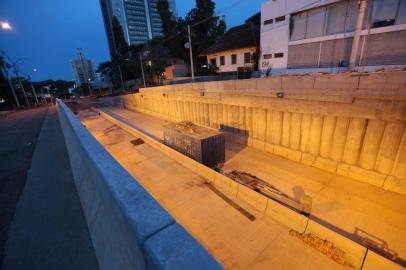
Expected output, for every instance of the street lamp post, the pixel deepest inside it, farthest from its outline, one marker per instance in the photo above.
(5, 26)
(142, 70)
(33, 89)
(32, 85)
(21, 84)
(191, 54)
(88, 85)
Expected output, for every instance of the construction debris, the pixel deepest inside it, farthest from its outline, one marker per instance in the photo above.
(186, 126)
(304, 205)
(324, 246)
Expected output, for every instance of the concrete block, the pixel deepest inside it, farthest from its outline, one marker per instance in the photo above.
(198, 86)
(246, 85)
(336, 81)
(294, 155)
(205, 172)
(326, 164)
(287, 153)
(374, 261)
(253, 198)
(222, 182)
(269, 84)
(308, 159)
(175, 248)
(286, 216)
(211, 86)
(234, 188)
(258, 144)
(395, 185)
(343, 169)
(355, 253)
(297, 82)
(269, 147)
(228, 86)
(280, 151)
(383, 80)
(366, 176)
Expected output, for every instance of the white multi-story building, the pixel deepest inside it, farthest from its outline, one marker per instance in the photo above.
(139, 19)
(302, 36)
(83, 69)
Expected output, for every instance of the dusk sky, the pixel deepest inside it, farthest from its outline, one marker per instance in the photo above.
(47, 32)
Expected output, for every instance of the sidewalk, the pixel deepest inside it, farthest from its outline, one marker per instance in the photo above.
(354, 209)
(49, 230)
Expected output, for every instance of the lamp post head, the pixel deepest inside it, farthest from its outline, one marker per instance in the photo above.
(5, 26)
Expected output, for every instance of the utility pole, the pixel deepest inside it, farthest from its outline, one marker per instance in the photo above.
(191, 54)
(11, 87)
(142, 70)
(33, 89)
(21, 85)
(357, 33)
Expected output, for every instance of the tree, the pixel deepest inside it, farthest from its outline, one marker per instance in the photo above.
(174, 30)
(4, 94)
(206, 28)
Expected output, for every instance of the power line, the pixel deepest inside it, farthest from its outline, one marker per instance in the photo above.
(218, 13)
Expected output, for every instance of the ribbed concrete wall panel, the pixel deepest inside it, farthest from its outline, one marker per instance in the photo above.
(340, 119)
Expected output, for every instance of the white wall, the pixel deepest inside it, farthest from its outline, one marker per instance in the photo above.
(228, 67)
(275, 36)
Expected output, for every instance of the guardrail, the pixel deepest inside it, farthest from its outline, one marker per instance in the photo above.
(128, 228)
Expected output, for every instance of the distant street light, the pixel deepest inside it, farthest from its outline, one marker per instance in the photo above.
(5, 26)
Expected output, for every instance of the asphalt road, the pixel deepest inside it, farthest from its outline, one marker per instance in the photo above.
(19, 133)
(49, 230)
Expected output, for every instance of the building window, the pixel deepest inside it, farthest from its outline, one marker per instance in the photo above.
(233, 59)
(278, 55)
(315, 22)
(336, 16)
(333, 19)
(280, 19)
(247, 58)
(384, 12)
(213, 62)
(270, 21)
(268, 56)
(222, 60)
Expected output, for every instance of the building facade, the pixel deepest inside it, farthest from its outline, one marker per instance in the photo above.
(83, 69)
(301, 36)
(139, 19)
(235, 49)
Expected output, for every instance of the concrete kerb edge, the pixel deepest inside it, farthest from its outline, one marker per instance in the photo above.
(272, 209)
(197, 252)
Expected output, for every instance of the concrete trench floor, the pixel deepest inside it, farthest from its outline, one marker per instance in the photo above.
(235, 240)
(352, 208)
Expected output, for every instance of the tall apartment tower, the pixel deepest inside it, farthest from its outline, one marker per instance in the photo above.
(139, 19)
(83, 69)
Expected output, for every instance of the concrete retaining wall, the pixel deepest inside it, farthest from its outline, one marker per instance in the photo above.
(129, 229)
(351, 125)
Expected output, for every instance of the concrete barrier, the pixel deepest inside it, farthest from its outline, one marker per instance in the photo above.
(374, 261)
(129, 229)
(355, 253)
